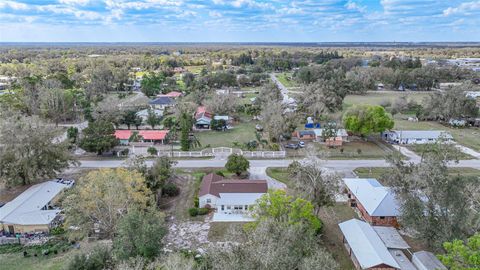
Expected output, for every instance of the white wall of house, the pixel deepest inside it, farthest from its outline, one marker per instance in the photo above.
(208, 199)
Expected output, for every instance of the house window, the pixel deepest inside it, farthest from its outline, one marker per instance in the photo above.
(382, 217)
(229, 207)
(246, 207)
(223, 207)
(209, 200)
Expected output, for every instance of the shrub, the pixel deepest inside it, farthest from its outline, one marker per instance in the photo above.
(125, 152)
(98, 258)
(275, 147)
(193, 211)
(220, 173)
(57, 230)
(171, 190)
(202, 211)
(152, 151)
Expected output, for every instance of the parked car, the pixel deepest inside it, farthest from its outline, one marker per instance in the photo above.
(301, 144)
(292, 146)
(258, 127)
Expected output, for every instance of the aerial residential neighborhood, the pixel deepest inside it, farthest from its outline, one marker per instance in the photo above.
(243, 134)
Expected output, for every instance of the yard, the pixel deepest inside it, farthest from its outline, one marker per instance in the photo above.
(280, 174)
(357, 149)
(241, 133)
(332, 236)
(224, 231)
(379, 172)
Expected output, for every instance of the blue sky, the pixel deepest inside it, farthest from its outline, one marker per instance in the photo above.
(238, 20)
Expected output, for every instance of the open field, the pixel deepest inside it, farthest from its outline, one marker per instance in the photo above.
(241, 133)
(376, 98)
(378, 172)
(16, 261)
(332, 236)
(422, 149)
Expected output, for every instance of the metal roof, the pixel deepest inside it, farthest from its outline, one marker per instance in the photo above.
(375, 198)
(162, 101)
(368, 248)
(425, 260)
(421, 134)
(391, 237)
(340, 132)
(26, 208)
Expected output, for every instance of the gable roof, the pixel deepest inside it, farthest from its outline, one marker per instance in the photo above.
(163, 100)
(425, 260)
(214, 185)
(26, 208)
(368, 248)
(375, 198)
(173, 94)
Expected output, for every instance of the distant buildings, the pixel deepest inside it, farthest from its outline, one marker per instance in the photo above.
(416, 136)
(34, 210)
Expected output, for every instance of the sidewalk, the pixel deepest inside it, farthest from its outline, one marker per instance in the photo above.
(468, 151)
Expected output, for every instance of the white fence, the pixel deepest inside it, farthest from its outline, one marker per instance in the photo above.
(211, 152)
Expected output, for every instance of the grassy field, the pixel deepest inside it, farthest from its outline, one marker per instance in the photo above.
(284, 78)
(379, 172)
(332, 235)
(241, 133)
(280, 174)
(351, 150)
(376, 98)
(421, 149)
(16, 261)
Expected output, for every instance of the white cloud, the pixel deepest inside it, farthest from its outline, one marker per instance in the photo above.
(74, 2)
(463, 8)
(13, 5)
(214, 14)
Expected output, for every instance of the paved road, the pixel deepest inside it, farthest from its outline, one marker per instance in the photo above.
(337, 165)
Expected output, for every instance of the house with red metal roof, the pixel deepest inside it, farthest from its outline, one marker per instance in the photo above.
(231, 199)
(152, 136)
(172, 94)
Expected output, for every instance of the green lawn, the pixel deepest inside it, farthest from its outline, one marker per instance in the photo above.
(332, 236)
(284, 78)
(469, 137)
(421, 149)
(376, 98)
(351, 150)
(241, 133)
(378, 172)
(17, 261)
(280, 174)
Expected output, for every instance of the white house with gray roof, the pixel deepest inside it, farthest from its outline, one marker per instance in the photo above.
(416, 136)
